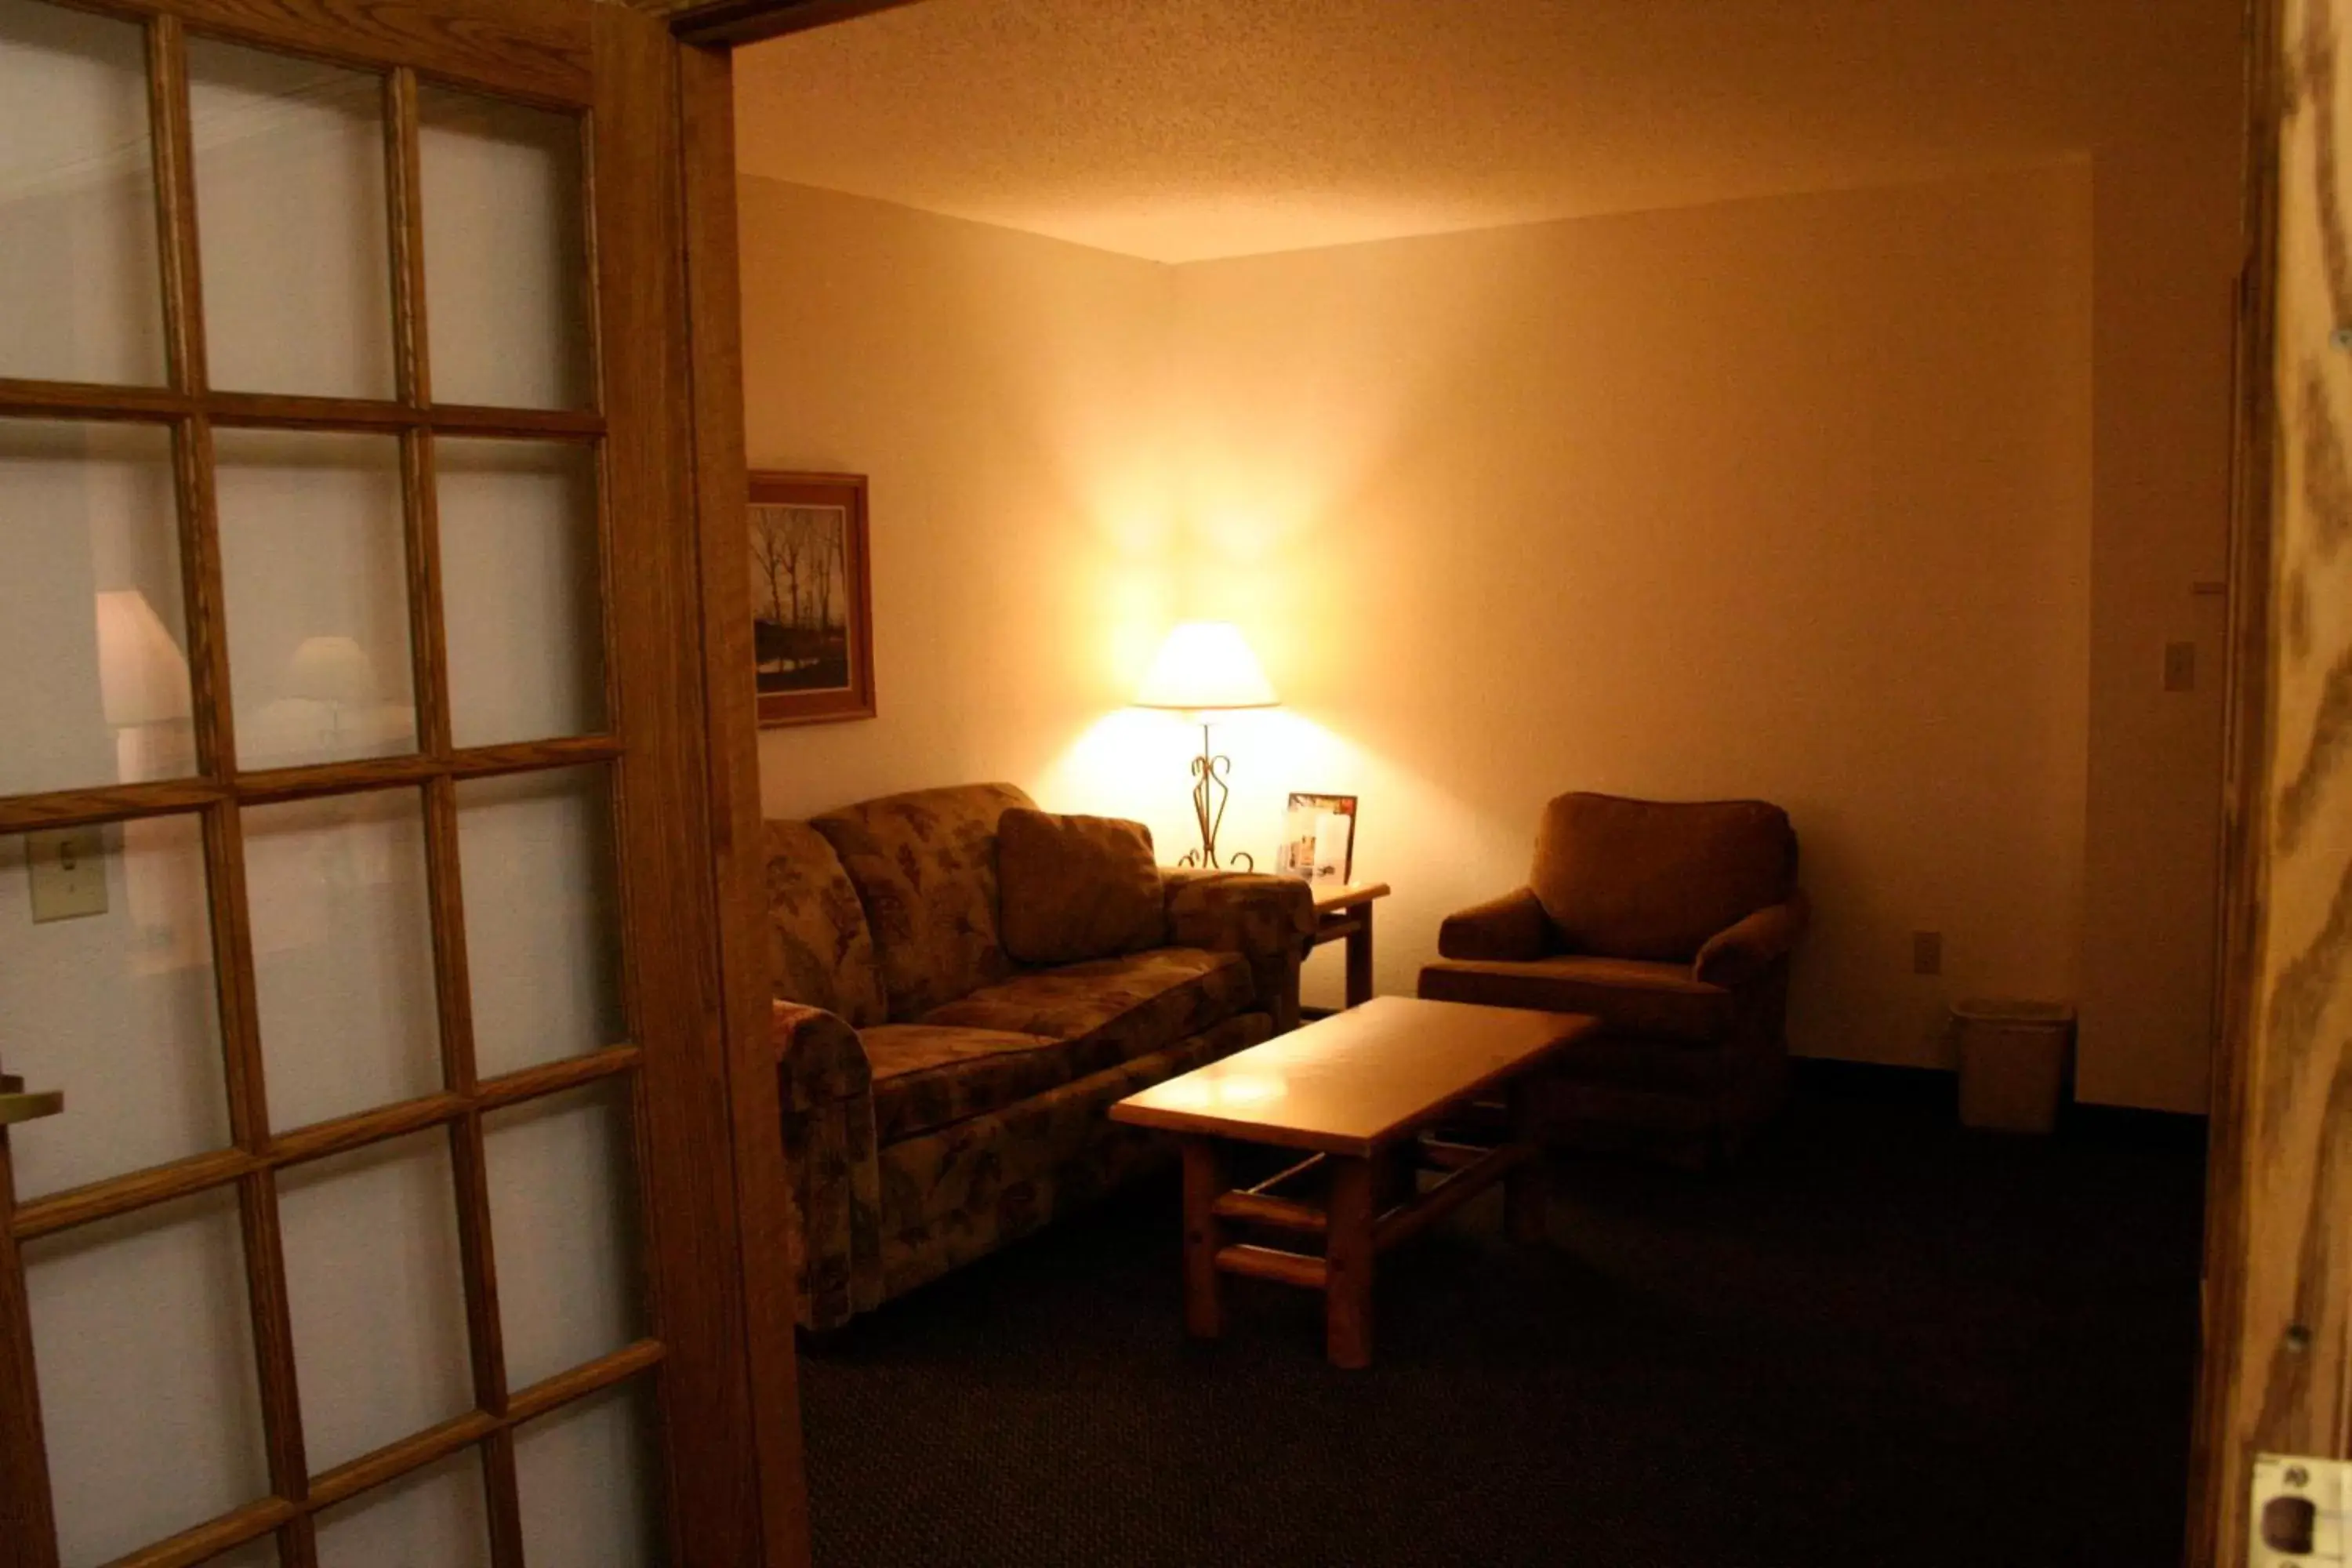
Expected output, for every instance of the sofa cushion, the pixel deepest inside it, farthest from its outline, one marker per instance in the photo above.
(927, 1076)
(1631, 995)
(952, 1195)
(1653, 879)
(1112, 1010)
(925, 866)
(1076, 888)
(820, 949)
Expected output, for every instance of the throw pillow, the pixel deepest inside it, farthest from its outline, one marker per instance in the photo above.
(1075, 888)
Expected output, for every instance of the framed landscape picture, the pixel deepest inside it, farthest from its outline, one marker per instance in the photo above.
(811, 598)
(1318, 839)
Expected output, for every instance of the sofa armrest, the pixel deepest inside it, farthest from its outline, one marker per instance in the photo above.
(1743, 953)
(827, 1091)
(821, 1056)
(1266, 920)
(1511, 929)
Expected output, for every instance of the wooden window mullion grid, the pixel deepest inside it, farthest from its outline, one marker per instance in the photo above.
(202, 573)
(428, 643)
(190, 408)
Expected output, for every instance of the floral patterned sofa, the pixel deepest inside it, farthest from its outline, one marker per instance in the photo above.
(940, 1099)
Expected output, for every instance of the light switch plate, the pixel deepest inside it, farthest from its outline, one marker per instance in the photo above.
(69, 873)
(2297, 1517)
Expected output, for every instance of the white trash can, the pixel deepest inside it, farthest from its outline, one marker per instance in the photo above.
(2013, 1058)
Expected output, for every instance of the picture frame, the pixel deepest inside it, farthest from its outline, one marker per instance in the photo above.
(812, 597)
(1318, 839)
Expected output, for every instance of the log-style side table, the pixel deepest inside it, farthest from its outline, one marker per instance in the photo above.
(1361, 1094)
(1345, 912)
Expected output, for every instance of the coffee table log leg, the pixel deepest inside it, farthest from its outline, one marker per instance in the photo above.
(1524, 1189)
(1205, 1184)
(1348, 1256)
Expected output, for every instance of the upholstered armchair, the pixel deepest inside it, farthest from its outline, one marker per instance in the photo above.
(1672, 923)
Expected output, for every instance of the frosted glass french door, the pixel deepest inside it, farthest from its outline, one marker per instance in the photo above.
(331, 813)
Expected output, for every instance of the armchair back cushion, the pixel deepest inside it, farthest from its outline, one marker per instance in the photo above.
(1654, 880)
(820, 949)
(924, 865)
(1076, 888)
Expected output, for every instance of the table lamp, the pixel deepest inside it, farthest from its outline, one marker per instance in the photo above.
(1206, 668)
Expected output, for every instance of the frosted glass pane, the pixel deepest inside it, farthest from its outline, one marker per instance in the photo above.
(535, 852)
(316, 568)
(92, 631)
(82, 296)
(291, 224)
(506, 297)
(149, 1402)
(585, 1473)
(563, 1203)
(374, 1290)
(436, 1515)
(520, 589)
(117, 1009)
(342, 954)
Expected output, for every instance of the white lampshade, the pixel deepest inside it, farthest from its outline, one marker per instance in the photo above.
(1205, 665)
(143, 676)
(332, 669)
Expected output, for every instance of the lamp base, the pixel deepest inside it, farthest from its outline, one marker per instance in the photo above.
(1210, 792)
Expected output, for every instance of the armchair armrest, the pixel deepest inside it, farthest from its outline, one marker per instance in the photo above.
(1266, 920)
(1741, 953)
(1511, 929)
(827, 1091)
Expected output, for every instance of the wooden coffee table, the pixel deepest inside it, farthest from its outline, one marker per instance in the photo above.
(1358, 1091)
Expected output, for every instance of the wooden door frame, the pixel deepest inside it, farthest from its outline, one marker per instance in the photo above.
(709, 320)
(725, 23)
(2220, 1455)
(703, 38)
(717, 482)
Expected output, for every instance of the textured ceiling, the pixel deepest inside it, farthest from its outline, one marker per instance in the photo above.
(1181, 130)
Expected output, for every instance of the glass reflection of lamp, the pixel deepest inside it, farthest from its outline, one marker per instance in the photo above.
(335, 671)
(142, 683)
(1204, 668)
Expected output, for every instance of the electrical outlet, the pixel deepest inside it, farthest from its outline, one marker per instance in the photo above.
(2298, 1510)
(1926, 953)
(69, 873)
(2180, 667)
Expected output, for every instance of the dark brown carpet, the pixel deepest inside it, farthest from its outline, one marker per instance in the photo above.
(1878, 1342)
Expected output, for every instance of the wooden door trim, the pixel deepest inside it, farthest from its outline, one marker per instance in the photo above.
(715, 1492)
(722, 24)
(714, 317)
(2235, 1416)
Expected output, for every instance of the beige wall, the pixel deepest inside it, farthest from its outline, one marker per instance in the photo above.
(1789, 498)
(1005, 395)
